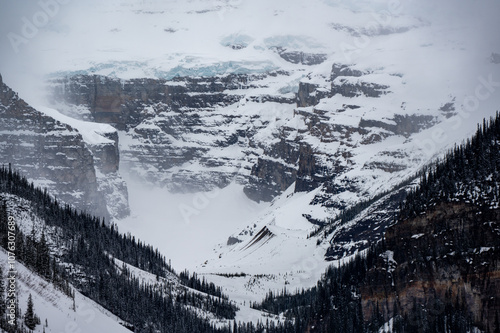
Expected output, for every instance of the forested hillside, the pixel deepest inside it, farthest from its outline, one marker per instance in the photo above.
(88, 261)
(437, 269)
(438, 266)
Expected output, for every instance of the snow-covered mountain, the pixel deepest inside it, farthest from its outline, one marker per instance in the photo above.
(242, 130)
(76, 161)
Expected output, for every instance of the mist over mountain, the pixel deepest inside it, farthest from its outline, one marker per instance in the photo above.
(255, 143)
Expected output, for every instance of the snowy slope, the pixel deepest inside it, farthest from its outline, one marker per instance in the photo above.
(51, 304)
(187, 226)
(92, 133)
(435, 60)
(56, 308)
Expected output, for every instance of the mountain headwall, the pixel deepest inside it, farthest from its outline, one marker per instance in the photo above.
(124, 103)
(49, 152)
(187, 133)
(198, 133)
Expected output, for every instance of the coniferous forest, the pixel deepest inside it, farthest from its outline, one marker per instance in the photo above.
(468, 175)
(91, 246)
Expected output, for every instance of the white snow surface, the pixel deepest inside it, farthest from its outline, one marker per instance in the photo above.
(429, 53)
(51, 305)
(92, 133)
(193, 230)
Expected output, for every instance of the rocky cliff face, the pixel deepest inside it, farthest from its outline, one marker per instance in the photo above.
(348, 132)
(275, 170)
(191, 133)
(337, 112)
(109, 180)
(49, 152)
(127, 103)
(447, 257)
(369, 222)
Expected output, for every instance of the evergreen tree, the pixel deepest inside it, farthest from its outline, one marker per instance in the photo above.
(30, 319)
(30, 249)
(43, 257)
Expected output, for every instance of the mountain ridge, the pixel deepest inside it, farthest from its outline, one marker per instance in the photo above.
(436, 268)
(256, 143)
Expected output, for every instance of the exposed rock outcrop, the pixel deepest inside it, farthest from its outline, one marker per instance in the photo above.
(176, 131)
(268, 179)
(109, 180)
(403, 124)
(198, 133)
(125, 104)
(299, 57)
(307, 175)
(274, 172)
(52, 154)
(310, 94)
(369, 226)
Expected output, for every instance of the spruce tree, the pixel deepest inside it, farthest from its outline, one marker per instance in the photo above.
(30, 319)
(43, 257)
(30, 249)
